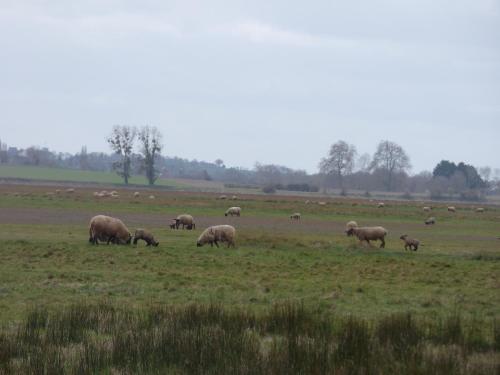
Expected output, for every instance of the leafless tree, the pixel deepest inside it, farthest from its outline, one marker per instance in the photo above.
(150, 138)
(391, 159)
(339, 162)
(121, 141)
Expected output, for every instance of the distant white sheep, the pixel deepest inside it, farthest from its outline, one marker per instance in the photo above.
(233, 211)
(369, 234)
(217, 233)
(295, 216)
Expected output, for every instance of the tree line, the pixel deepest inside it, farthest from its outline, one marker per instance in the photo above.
(137, 151)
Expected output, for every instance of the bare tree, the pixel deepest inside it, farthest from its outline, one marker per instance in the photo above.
(121, 141)
(363, 163)
(391, 159)
(150, 138)
(339, 162)
(485, 173)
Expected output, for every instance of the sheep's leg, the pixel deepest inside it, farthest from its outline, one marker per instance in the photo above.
(216, 244)
(382, 245)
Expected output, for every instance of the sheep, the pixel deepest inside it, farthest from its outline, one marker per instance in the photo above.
(70, 190)
(322, 203)
(295, 216)
(411, 243)
(217, 233)
(430, 221)
(307, 201)
(426, 209)
(234, 198)
(369, 234)
(222, 197)
(185, 220)
(381, 205)
(136, 194)
(349, 225)
(452, 209)
(151, 197)
(110, 229)
(233, 211)
(58, 191)
(143, 234)
(479, 209)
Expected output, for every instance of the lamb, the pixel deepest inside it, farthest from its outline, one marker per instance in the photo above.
(233, 211)
(143, 234)
(172, 224)
(185, 220)
(430, 221)
(369, 234)
(479, 209)
(136, 194)
(426, 209)
(381, 205)
(110, 229)
(295, 216)
(349, 225)
(452, 209)
(410, 242)
(217, 233)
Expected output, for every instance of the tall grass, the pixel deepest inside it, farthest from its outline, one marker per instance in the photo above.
(210, 339)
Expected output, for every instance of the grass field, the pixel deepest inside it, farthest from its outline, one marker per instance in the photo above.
(46, 261)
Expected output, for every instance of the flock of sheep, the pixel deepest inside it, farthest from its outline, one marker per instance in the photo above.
(112, 230)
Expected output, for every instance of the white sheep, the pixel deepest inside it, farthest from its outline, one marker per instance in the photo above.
(381, 205)
(110, 229)
(233, 211)
(295, 216)
(369, 234)
(137, 194)
(480, 209)
(151, 197)
(452, 209)
(430, 221)
(322, 203)
(186, 221)
(426, 209)
(217, 233)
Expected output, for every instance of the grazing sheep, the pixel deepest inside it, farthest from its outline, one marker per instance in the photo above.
(426, 209)
(295, 216)
(307, 201)
(70, 190)
(233, 211)
(349, 225)
(430, 221)
(186, 221)
(110, 229)
(151, 197)
(137, 194)
(411, 243)
(381, 205)
(222, 197)
(234, 198)
(145, 235)
(369, 234)
(479, 209)
(217, 233)
(322, 203)
(452, 209)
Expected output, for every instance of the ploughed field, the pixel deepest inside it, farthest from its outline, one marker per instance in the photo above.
(45, 257)
(292, 297)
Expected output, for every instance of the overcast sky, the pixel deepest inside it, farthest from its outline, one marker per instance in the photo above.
(246, 81)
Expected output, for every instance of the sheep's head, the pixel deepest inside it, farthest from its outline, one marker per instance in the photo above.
(225, 214)
(155, 244)
(403, 237)
(129, 240)
(199, 244)
(350, 232)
